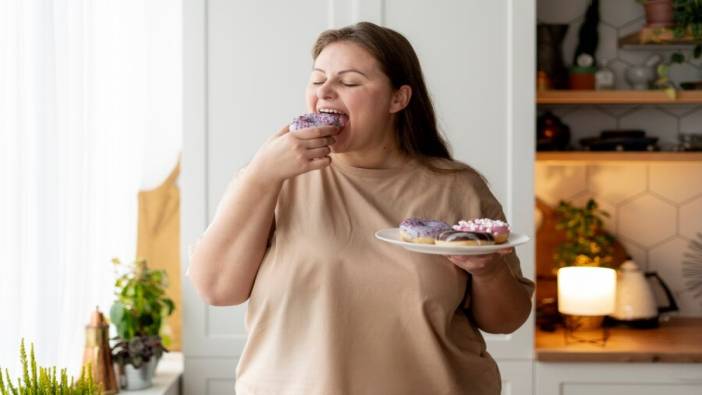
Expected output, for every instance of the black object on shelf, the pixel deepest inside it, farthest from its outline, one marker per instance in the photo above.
(551, 133)
(550, 53)
(691, 85)
(620, 140)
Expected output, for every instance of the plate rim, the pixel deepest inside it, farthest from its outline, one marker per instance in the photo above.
(521, 238)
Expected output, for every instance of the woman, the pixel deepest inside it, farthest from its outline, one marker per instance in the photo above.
(332, 310)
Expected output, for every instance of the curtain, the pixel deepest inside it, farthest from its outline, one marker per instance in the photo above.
(89, 115)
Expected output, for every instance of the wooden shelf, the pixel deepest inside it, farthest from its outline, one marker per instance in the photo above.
(656, 39)
(616, 97)
(590, 156)
(679, 340)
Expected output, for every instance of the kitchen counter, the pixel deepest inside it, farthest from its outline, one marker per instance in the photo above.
(678, 340)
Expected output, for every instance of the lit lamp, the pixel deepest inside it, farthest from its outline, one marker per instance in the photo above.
(585, 295)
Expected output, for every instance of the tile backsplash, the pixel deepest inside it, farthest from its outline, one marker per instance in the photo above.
(618, 18)
(655, 208)
(664, 122)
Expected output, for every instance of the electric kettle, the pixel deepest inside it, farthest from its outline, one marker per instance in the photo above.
(636, 303)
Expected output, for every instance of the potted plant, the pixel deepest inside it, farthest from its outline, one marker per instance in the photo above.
(138, 314)
(659, 13)
(44, 381)
(687, 27)
(687, 16)
(587, 243)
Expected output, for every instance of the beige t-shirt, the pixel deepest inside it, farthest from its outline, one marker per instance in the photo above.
(335, 311)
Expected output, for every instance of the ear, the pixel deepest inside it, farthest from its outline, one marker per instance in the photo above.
(400, 99)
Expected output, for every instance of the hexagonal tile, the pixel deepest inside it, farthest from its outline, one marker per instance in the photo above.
(679, 110)
(636, 252)
(558, 11)
(692, 122)
(691, 218)
(685, 72)
(619, 13)
(616, 182)
(632, 27)
(587, 122)
(647, 220)
(667, 260)
(618, 110)
(654, 122)
(610, 222)
(554, 183)
(562, 111)
(675, 181)
(689, 304)
(608, 45)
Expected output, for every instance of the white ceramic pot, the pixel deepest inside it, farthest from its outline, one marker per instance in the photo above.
(134, 379)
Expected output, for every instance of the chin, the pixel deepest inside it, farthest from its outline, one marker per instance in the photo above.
(340, 145)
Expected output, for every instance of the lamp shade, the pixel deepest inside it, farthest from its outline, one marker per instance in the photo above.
(585, 290)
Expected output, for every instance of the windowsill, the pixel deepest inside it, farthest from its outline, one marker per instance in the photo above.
(167, 379)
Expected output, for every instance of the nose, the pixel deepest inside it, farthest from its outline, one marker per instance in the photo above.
(326, 91)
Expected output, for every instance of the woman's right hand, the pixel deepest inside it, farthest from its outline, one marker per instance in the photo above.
(290, 153)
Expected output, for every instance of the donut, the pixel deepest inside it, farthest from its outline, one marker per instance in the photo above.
(460, 238)
(316, 119)
(420, 230)
(498, 229)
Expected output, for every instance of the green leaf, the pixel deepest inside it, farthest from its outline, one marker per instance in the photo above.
(117, 313)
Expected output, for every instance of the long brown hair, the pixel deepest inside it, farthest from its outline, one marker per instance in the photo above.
(415, 126)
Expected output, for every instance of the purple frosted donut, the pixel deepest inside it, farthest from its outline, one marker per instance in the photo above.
(316, 119)
(420, 230)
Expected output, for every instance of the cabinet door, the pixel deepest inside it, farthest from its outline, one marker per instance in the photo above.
(245, 67)
(618, 379)
(517, 377)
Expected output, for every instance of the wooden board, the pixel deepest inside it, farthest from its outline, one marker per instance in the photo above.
(679, 340)
(591, 156)
(558, 97)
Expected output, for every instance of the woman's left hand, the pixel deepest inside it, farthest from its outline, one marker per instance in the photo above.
(480, 265)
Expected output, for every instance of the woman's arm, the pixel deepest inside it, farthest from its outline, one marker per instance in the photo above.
(500, 297)
(500, 303)
(224, 263)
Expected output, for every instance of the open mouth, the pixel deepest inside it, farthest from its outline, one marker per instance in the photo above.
(340, 117)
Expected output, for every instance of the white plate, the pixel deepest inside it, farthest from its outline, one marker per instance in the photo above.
(392, 236)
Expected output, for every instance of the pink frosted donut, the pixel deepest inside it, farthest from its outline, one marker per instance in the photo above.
(420, 230)
(316, 119)
(498, 229)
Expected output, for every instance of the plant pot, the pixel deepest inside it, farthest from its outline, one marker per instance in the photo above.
(659, 13)
(133, 379)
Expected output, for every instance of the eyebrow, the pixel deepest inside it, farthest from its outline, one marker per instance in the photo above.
(343, 71)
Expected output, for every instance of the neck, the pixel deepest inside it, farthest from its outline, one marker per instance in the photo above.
(383, 154)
